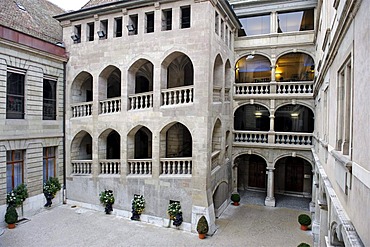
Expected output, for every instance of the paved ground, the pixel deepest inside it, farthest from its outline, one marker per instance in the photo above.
(246, 225)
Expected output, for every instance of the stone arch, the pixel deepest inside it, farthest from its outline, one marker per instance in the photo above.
(109, 144)
(336, 238)
(295, 66)
(294, 118)
(82, 88)
(228, 80)
(81, 146)
(175, 141)
(293, 175)
(218, 72)
(250, 117)
(140, 76)
(253, 68)
(251, 172)
(109, 83)
(177, 70)
(220, 197)
(217, 136)
(139, 143)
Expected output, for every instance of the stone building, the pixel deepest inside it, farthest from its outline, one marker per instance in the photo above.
(31, 99)
(148, 106)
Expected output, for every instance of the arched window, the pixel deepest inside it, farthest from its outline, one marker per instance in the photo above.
(294, 118)
(253, 69)
(252, 118)
(295, 67)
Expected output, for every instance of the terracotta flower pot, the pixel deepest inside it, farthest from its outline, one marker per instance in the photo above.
(201, 235)
(304, 228)
(11, 226)
(236, 203)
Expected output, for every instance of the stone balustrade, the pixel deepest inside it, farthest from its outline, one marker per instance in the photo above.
(251, 88)
(293, 138)
(302, 87)
(141, 101)
(215, 159)
(81, 167)
(176, 166)
(82, 109)
(110, 166)
(140, 166)
(111, 105)
(177, 96)
(250, 136)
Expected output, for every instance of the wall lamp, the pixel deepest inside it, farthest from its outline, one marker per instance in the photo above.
(130, 28)
(101, 34)
(75, 37)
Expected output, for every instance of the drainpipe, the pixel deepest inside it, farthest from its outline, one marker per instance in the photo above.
(64, 133)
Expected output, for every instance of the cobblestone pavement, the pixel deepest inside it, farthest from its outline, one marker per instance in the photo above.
(245, 225)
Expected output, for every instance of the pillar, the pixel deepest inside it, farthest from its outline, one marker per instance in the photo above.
(270, 199)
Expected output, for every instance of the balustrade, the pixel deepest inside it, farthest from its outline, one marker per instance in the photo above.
(252, 88)
(215, 159)
(177, 96)
(141, 101)
(82, 109)
(140, 166)
(293, 138)
(251, 136)
(81, 167)
(176, 166)
(110, 166)
(111, 105)
(294, 87)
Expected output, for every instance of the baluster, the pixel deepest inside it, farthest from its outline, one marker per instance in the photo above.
(236, 137)
(189, 167)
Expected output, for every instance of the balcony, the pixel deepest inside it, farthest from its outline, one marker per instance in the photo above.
(141, 101)
(178, 96)
(273, 89)
(266, 138)
(111, 105)
(82, 109)
(110, 167)
(140, 166)
(176, 166)
(81, 167)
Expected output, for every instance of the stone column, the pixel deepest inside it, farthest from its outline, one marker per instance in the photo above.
(270, 199)
(271, 134)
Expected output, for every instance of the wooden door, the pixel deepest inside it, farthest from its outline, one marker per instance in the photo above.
(257, 173)
(294, 176)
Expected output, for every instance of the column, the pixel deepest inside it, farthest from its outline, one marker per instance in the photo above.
(270, 199)
(271, 134)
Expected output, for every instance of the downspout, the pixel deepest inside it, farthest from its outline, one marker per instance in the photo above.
(64, 133)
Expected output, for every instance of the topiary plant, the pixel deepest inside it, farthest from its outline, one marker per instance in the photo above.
(304, 245)
(235, 197)
(11, 215)
(304, 220)
(202, 226)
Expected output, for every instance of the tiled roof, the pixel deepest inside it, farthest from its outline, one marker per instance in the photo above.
(92, 3)
(33, 17)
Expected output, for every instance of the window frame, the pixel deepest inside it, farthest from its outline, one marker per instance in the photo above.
(45, 162)
(166, 19)
(14, 162)
(53, 99)
(21, 82)
(184, 23)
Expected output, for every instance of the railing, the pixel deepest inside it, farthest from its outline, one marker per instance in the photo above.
(251, 88)
(215, 159)
(178, 95)
(111, 105)
(81, 167)
(251, 136)
(176, 166)
(110, 166)
(294, 87)
(217, 94)
(293, 138)
(82, 109)
(140, 166)
(141, 101)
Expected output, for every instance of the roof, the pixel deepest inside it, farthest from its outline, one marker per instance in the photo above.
(32, 17)
(92, 3)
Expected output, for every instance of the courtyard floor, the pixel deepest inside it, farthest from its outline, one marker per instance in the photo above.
(245, 225)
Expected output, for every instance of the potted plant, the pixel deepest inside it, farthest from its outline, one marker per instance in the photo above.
(50, 189)
(202, 227)
(138, 205)
(107, 198)
(17, 196)
(11, 216)
(305, 221)
(175, 213)
(235, 197)
(304, 245)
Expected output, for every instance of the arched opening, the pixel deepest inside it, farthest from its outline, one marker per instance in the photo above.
(81, 146)
(220, 198)
(144, 78)
(180, 72)
(251, 172)
(228, 80)
(143, 144)
(295, 67)
(82, 88)
(217, 79)
(110, 83)
(293, 175)
(252, 118)
(294, 118)
(253, 69)
(216, 144)
(178, 141)
(109, 145)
